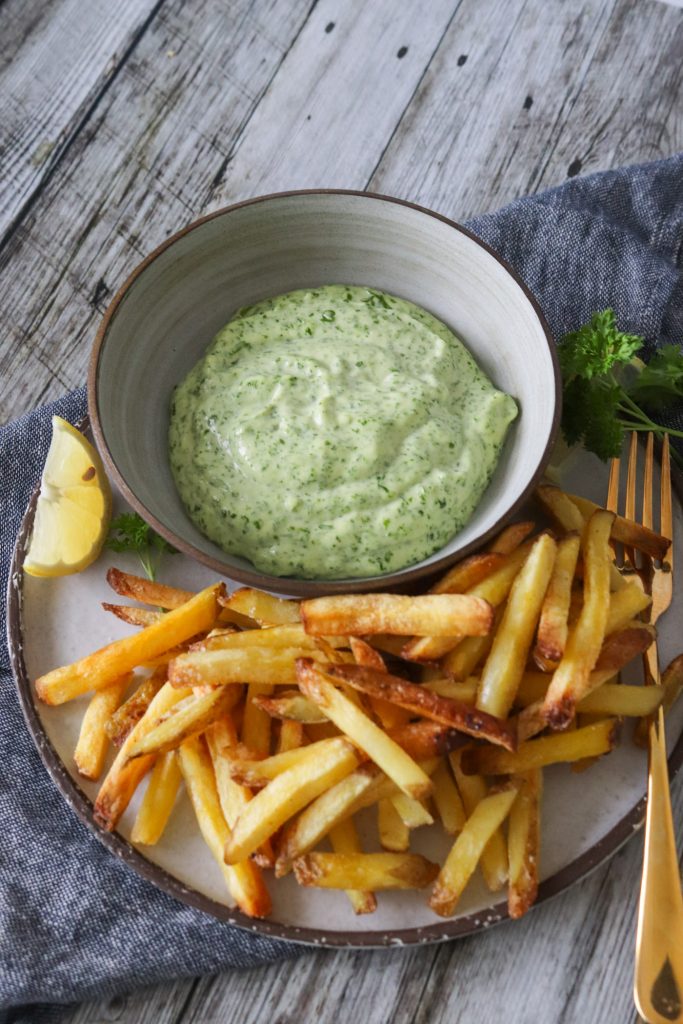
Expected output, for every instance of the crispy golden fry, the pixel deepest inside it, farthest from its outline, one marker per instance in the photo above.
(291, 635)
(258, 773)
(291, 736)
(625, 605)
(120, 723)
(371, 871)
(506, 662)
(158, 801)
(473, 789)
(464, 691)
(561, 508)
(394, 834)
(494, 590)
(424, 615)
(186, 719)
(263, 608)
(588, 741)
(470, 653)
(384, 751)
(425, 739)
(552, 626)
(286, 795)
(243, 879)
(125, 774)
(627, 532)
(344, 839)
(412, 812)
(388, 644)
(93, 738)
(256, 722)
(137, 588)
(98, 670)
(447, 799)
(467, 850)
(362, 788)
(624, 645)
(570, 680)
(390, 716)
(422, 701)
(534, 686)
(466, 574)
(292, 706)
(276, 666)
(133, 615)
(524, 838)
(509, 539)
(617, 699)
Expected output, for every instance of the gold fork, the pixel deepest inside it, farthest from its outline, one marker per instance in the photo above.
(658, 980)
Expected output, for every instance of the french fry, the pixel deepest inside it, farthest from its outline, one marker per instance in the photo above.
(386, 643)
(671, 684)
(552, 626)
(588, 741)
(494, 589)
(467, 849)
(469, 654)
(98, 670)
(412, 812)
(363, 787)
(186, 719)
(291, 635)
(534, 685)
(506, 662)
(286, 795)
(344, 839)
(562, 509)
(628, 532)
(621, 647)
(93, 740)
(291, 736)
(372, 871)
(276, 667)
(570, 680)
(125, 774)
(617, 699)
(625, 605)
(137, 588)
(384, 751)
(447, 800)
(292, 706)
(132, 615)
(422, 701)
(524, 837)
(473, 790)
(158, 801)
(243, 879)
(464, 691)
(263, 608)
(120, 723)
(509, 539)
(258, 773)
(424, 615)
(393, 832)
(390, 715)
(466, 574)
(425, 739)
(256, 722)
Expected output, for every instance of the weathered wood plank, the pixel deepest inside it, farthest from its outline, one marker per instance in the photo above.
(568, 962)
(58, 59)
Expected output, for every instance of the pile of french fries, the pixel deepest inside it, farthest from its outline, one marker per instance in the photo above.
(285, 719)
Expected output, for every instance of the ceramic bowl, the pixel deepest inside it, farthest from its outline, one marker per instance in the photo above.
(167, 312)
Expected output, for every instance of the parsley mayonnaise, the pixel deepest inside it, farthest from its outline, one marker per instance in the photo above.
(335, 432)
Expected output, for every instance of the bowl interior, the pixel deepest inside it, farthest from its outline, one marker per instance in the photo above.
(184, 293)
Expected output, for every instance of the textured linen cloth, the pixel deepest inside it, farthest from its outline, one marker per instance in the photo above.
(74, 921)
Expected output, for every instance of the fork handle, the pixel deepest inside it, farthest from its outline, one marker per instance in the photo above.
(658, 982)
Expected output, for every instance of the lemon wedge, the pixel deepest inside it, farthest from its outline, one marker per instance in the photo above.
(74, 506)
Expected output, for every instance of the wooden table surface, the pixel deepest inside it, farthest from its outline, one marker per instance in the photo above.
(121, 122)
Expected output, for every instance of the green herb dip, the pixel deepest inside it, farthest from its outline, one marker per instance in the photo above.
(335, 432)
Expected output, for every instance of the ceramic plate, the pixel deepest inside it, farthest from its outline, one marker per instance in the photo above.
(586, 817)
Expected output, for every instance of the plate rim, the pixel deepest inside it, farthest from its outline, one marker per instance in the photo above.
(442, 930)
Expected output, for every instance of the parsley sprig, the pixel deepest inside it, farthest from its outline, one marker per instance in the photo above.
(128, 532)
(609, 390)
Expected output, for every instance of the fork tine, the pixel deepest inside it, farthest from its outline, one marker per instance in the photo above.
(630, 509)
(613, 487)
(647, 482)
(666, 515)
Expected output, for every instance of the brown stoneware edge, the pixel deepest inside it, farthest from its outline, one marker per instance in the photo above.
(440, 931)
(289, 585)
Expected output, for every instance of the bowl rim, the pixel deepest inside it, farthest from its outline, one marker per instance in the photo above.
(286, 584)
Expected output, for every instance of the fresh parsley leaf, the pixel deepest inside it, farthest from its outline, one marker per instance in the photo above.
(608, 390)
(129, 532)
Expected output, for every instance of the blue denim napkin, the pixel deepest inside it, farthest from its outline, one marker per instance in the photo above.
(75, 922)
